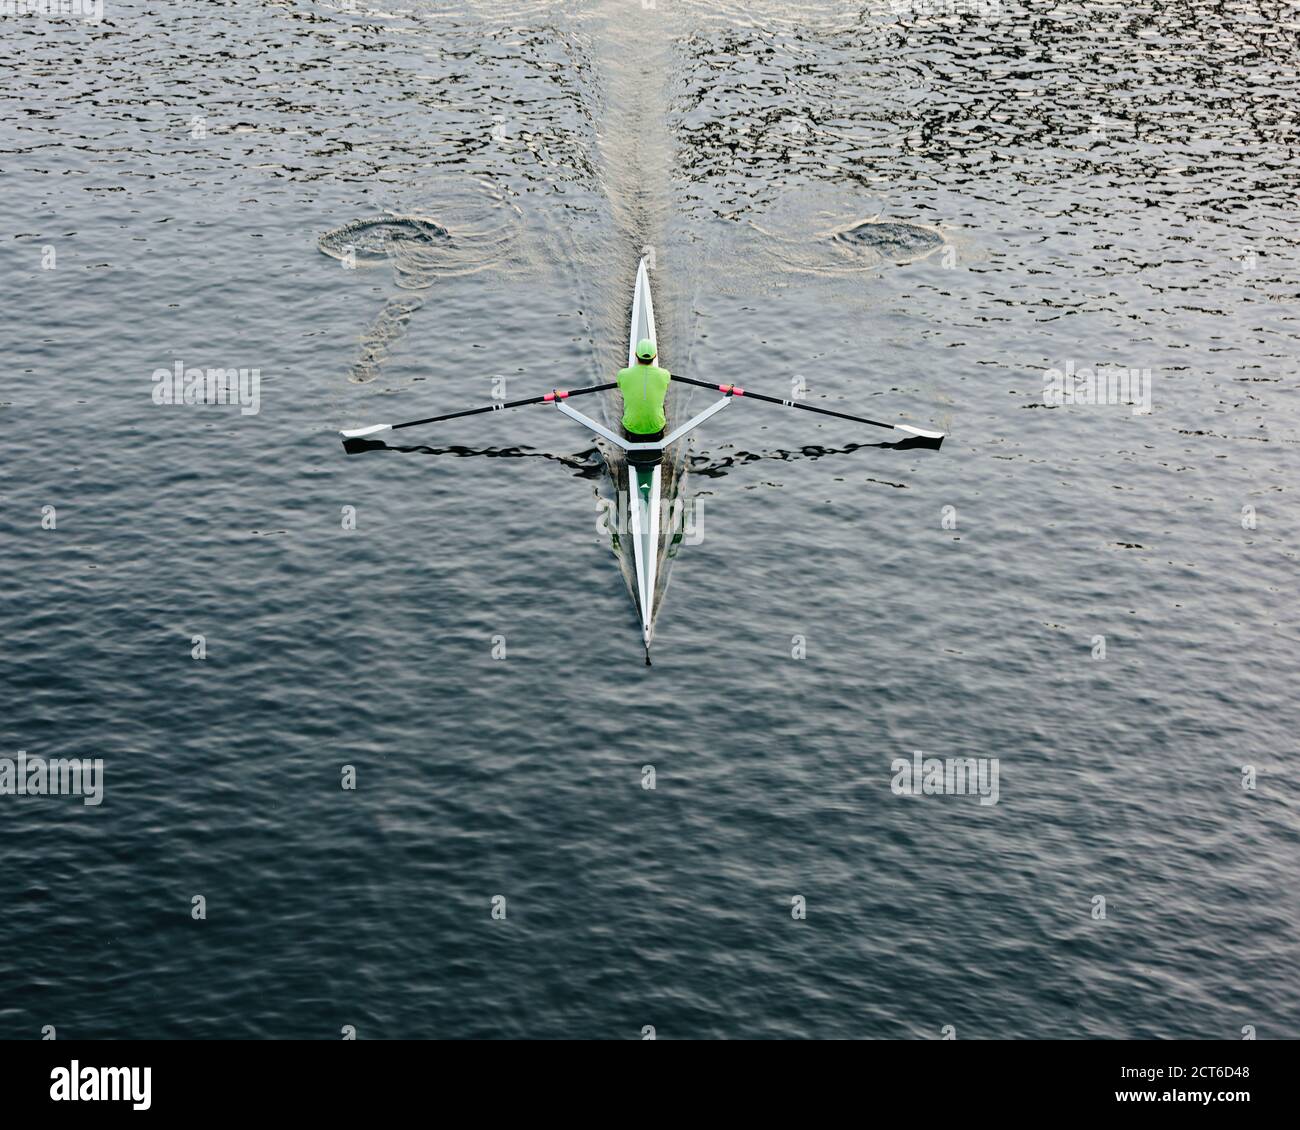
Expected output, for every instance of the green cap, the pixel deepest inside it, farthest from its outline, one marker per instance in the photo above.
(645, 350)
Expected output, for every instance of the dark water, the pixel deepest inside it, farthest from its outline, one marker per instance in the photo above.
(917, 212)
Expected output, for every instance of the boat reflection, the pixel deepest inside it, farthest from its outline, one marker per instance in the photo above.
(587, 465)
(590, 464)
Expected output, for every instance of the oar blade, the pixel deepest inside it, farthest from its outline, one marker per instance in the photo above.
(921, 432)
(358, 433)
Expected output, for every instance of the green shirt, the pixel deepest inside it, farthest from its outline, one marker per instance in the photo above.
(644, 388)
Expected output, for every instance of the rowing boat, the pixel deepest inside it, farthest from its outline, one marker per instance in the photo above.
(644, 459)
(644, 465)
(644, 480)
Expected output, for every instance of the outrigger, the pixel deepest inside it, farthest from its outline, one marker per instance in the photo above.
(645, 460)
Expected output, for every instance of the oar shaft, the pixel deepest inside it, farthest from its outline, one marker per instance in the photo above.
(554, 394)
(469, 412)
(558, 394)
(732, 390)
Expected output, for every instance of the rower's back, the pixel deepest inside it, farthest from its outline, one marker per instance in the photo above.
(644, 387)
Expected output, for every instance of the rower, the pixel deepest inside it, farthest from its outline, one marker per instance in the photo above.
(644, 386)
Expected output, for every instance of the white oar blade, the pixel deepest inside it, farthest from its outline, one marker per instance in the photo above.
(918, 432)
(357, 433)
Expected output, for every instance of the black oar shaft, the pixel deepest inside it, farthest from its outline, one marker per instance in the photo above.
(733, 390)
(554, 395)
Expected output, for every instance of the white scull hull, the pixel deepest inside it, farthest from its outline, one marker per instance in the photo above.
(644, 479)
(645, 483)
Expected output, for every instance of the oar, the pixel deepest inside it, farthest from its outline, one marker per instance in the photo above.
(732, 390)
(554, 394)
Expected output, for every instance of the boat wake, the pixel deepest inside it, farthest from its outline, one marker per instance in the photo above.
(376, 240)
(811, 230)
(474, 230)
